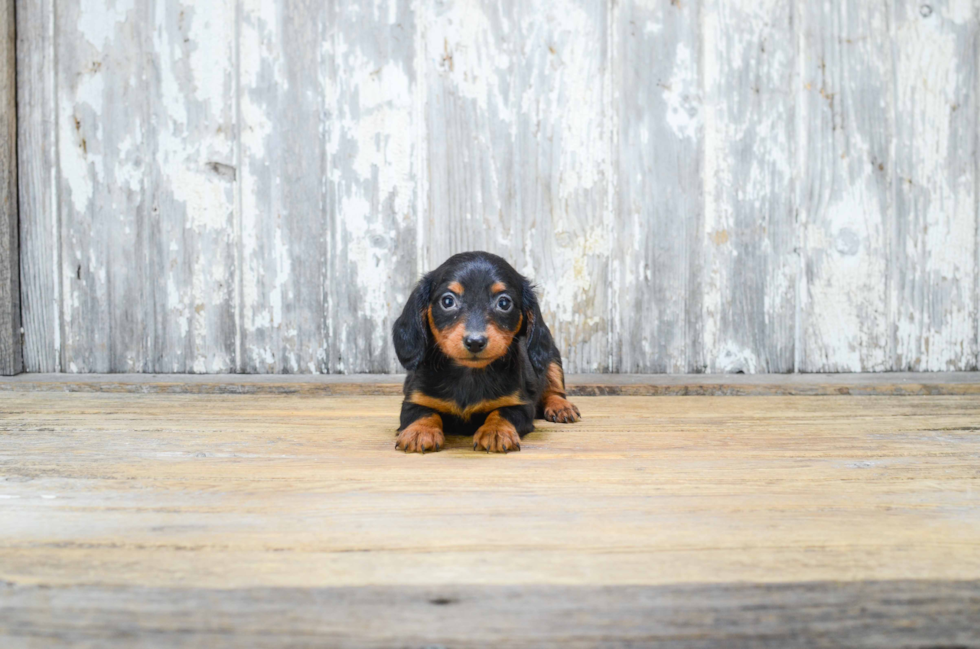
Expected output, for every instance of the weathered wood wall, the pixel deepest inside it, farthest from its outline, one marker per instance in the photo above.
(696, 185)
(10, 339)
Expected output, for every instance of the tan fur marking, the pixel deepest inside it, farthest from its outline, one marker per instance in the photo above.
(449, 341)
(498, 287)
(456, 288)
(497, 435)
(556, 406)
(498, 342)
(560, 410)
(556, 380)
(453, 408)
(475, 363)
(423, 434)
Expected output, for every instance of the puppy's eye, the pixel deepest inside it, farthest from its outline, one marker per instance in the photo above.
(504, 303)
(448, 301)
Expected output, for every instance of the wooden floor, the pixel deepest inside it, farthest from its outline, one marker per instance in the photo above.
(157, 520)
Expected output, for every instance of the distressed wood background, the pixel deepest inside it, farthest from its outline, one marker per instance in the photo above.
(11, 359)
(695, 185)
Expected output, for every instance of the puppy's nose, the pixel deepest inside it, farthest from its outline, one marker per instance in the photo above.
(475, 343)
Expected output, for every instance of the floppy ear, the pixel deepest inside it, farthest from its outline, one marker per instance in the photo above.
(534, 330)
(411, 333)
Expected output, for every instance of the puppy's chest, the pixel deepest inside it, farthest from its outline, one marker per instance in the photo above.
(466, 401)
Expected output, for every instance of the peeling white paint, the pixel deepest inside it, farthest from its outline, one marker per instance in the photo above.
(460, 42)
(682, 94)
(80, 132)
(848, 324)
(380, 129)
(959, 12)
(936, 188)
(97, 19)
(749, 267)
(865, 118)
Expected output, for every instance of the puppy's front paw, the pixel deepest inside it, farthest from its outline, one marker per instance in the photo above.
(496, 435)
(421, 435)
(561, 410)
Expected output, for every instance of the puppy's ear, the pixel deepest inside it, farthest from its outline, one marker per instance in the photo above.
(411, 332)
(534, 330)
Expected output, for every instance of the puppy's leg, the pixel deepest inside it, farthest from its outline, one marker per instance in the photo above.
(503, 429)
(556, 406)
(421, 430)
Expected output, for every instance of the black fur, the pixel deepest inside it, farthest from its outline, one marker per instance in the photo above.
(411, 332)
(521, 369)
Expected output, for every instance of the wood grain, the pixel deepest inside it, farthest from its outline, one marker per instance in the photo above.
(749, 241)
(656, 259)
(886, 384)
(37, 174)
(375, 171)
(845, 204)
(328, 194)
(288, 491)
(519, 153)
(11, 356)
(147, 216)
(101, 212)
(934, 243)
(187, 241)
(284, 226)
(694, 185)
(816, 614)
(756, 518)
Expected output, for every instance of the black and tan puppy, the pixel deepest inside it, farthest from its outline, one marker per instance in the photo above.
(480, 359)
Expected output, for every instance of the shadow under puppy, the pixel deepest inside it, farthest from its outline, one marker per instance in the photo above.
(480, 359)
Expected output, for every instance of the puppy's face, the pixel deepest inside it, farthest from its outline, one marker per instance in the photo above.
(469, 309)
(474, 315)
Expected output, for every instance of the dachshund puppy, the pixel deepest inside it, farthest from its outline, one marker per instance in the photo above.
(480, 359)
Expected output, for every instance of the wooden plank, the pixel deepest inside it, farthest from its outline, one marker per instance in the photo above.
(187, 218)
(572, 137)
(40, 242)
(185, 491)
(204, 520)
(656, 261)
(886, 384)
(11, 356)
(933, 253)
(749, 241)
(375, 140)
(864, 614)
(146, 190)
(284, 283)
(518, 148)
(100, 115)
(845, 189)
(329, 200)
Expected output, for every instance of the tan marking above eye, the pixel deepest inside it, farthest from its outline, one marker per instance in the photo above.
(498, 287)
(456, 288)
(453, 408)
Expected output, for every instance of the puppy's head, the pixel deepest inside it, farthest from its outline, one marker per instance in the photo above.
(469, 309)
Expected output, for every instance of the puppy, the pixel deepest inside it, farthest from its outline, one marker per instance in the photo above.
(480, 359)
